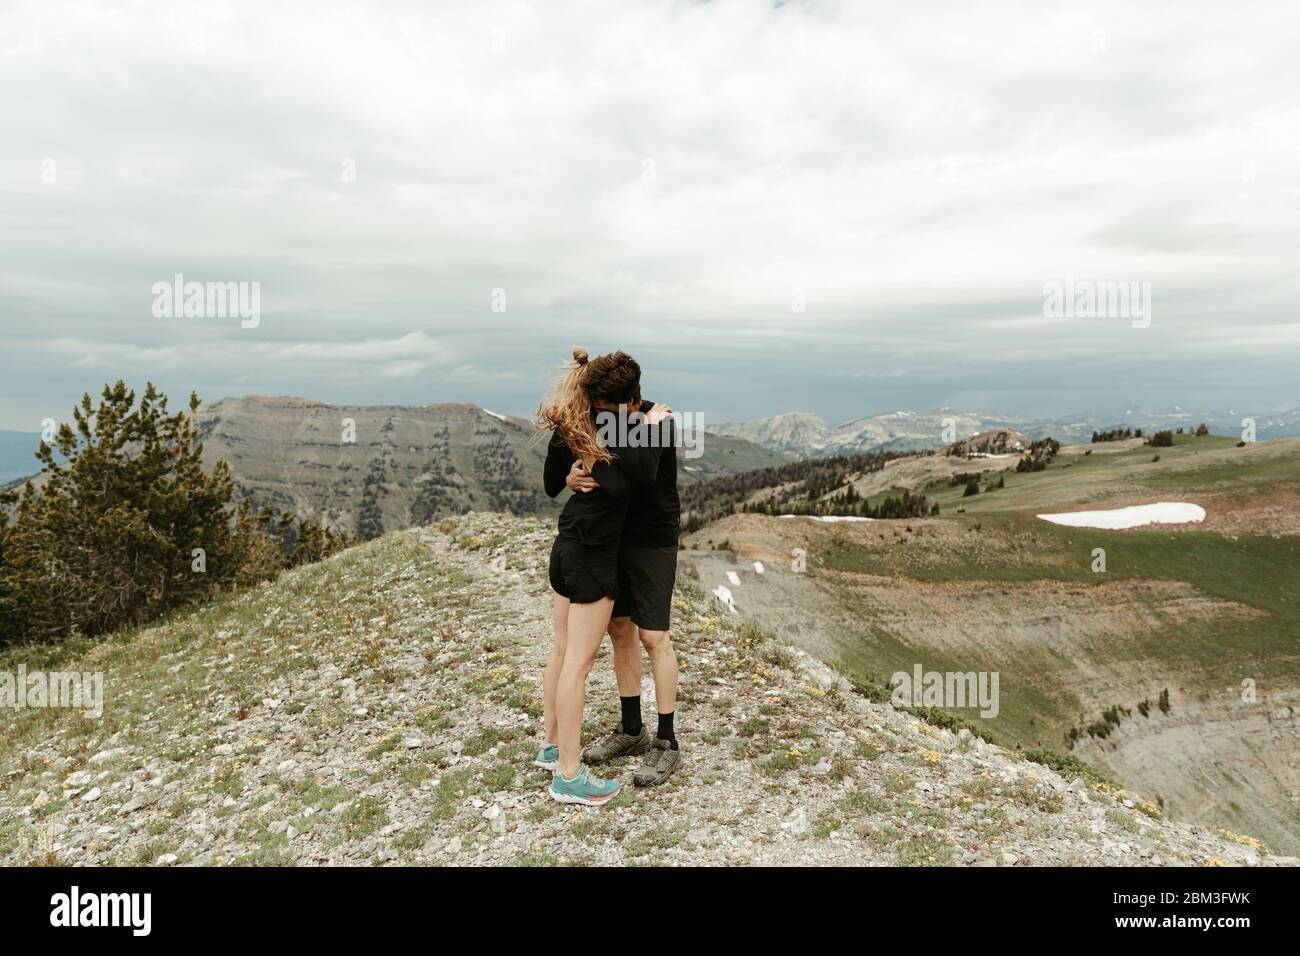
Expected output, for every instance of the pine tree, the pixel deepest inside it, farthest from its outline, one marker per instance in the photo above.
(128, 525)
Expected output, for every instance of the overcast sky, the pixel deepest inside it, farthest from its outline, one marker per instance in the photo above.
(668, 178)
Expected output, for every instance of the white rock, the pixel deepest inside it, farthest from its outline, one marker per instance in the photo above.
(91, 795)
(167, 859)
(106, 755)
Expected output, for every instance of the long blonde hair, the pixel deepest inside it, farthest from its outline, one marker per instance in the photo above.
(568, 412)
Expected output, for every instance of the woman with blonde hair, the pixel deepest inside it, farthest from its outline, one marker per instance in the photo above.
(584, 557)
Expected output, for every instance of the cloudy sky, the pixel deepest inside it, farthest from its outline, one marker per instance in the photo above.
(837, 207)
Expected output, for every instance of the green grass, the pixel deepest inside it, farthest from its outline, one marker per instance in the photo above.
(363, 817)
(1037, 575)
(1252, 570)
(924, 849)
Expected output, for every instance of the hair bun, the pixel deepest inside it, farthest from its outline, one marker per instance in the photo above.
(580, 355)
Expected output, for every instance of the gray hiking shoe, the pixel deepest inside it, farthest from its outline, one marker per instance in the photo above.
(617, 744)
(658, 765)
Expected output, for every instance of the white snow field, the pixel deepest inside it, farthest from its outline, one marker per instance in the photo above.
(1135, 516)
(723, 594)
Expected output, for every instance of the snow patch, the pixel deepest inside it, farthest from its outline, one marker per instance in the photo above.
(495, 414)
(1135, 516)
(723, 594)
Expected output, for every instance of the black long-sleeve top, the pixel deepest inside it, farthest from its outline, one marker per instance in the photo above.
(653, 508)
(596, 517)
(637, 497)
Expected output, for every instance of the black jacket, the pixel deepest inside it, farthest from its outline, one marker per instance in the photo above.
(643, 479)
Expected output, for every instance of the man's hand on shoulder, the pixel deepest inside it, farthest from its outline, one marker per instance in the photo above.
(658, 412)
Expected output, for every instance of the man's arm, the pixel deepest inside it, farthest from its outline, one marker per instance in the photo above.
(641, 465)
(609, 475)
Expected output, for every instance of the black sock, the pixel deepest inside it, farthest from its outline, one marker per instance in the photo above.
(632, 723)
(666, 729)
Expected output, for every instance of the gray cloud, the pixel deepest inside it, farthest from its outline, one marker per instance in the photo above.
(667, 179)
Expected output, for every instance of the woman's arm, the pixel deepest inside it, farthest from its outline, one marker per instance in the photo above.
(559, 459)
(640, 464)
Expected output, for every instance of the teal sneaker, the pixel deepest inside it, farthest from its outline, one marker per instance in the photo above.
(548, 757)
(585, 788)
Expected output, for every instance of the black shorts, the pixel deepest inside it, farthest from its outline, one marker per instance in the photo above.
(583, 573)
(645, 586)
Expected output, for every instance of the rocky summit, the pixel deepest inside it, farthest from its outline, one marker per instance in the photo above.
(383, 706)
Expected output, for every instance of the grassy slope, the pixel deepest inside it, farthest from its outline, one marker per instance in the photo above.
(1255, 570)
(1247, 565)
(229, 723)
(1207, 465)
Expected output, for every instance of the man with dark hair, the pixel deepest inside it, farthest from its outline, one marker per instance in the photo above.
(647, 571)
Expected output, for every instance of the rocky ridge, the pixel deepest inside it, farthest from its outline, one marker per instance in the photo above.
(383, 707)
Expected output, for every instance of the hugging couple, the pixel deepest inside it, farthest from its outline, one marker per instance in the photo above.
(613, 566)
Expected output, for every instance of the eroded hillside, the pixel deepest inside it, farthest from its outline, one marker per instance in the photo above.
(1206, 614)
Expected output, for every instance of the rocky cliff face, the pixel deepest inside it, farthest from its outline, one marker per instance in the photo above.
(384, 707)
(371, 469)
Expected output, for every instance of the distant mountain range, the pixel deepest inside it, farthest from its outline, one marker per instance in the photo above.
(408, 464)
(400, 466)
(806, 435)
(412, 463)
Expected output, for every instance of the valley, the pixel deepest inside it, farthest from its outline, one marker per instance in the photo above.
(1204, 616)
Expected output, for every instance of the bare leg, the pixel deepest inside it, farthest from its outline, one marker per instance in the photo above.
(627, 656)
(585, 627)
(551, 676)
(663, 662)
